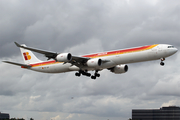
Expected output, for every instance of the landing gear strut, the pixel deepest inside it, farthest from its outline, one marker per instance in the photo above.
(86, 73)
(162, 63)
(96, 74)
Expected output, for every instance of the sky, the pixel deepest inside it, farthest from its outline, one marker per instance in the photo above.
(83, 27)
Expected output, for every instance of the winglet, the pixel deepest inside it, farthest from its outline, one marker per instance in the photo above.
(18, 45)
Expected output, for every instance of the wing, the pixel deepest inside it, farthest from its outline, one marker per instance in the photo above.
(48, 54)
(79, 61)
(76, 60)
(19, 64)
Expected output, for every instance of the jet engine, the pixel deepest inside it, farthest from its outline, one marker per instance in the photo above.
(118, 69)
(95, 62)
(64, 57)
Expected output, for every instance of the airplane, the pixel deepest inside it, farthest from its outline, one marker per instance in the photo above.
(116, 61)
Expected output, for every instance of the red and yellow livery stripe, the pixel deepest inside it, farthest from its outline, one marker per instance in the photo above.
(103, 54)
(44, 63)
(117, 52)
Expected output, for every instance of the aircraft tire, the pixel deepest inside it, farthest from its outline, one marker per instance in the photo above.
(97, 75)
(88, 74)
(162, 63)
(78, 74)
(93, 77)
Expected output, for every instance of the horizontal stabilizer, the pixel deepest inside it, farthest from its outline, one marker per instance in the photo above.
(19, 64)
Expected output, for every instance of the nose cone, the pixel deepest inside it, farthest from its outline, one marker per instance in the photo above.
(175, 50)
(170, 50)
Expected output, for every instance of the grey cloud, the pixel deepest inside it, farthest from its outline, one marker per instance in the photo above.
(83, 27)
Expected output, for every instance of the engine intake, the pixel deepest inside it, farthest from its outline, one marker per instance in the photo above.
(64, 57)
(118, 69)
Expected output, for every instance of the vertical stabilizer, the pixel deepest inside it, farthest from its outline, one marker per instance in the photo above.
(28, 56)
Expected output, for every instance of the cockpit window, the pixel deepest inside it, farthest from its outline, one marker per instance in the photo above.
(170, 46)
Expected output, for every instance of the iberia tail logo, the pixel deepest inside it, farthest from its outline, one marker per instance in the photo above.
(26, 56)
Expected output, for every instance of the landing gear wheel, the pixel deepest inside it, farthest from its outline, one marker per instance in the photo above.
(97, 74)
(77, 74)
(162, 63)
(88, 74)
(93, 77)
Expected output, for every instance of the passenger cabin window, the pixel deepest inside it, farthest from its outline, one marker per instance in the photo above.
(170, 46)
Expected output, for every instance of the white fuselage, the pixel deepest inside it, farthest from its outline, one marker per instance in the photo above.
(125, 56)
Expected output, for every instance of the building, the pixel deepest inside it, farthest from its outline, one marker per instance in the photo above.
(164, 113)
(4, 116)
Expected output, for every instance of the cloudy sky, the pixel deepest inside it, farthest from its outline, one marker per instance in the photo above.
(81, 27)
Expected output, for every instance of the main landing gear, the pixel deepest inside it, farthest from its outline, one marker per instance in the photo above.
(96, 74)
(162, 63)
(81, 72)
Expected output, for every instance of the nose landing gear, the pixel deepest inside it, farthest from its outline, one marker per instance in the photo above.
(162, 63)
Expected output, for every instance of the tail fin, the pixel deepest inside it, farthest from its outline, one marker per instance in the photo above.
(28, 56)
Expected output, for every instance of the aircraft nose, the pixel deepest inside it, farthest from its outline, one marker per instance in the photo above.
(171, 50)
(175, 50)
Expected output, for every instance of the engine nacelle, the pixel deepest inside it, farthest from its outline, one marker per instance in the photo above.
(64, 57)
(95, 62)
(118, 69)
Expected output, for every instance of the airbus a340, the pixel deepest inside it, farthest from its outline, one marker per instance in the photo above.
(115, 61)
